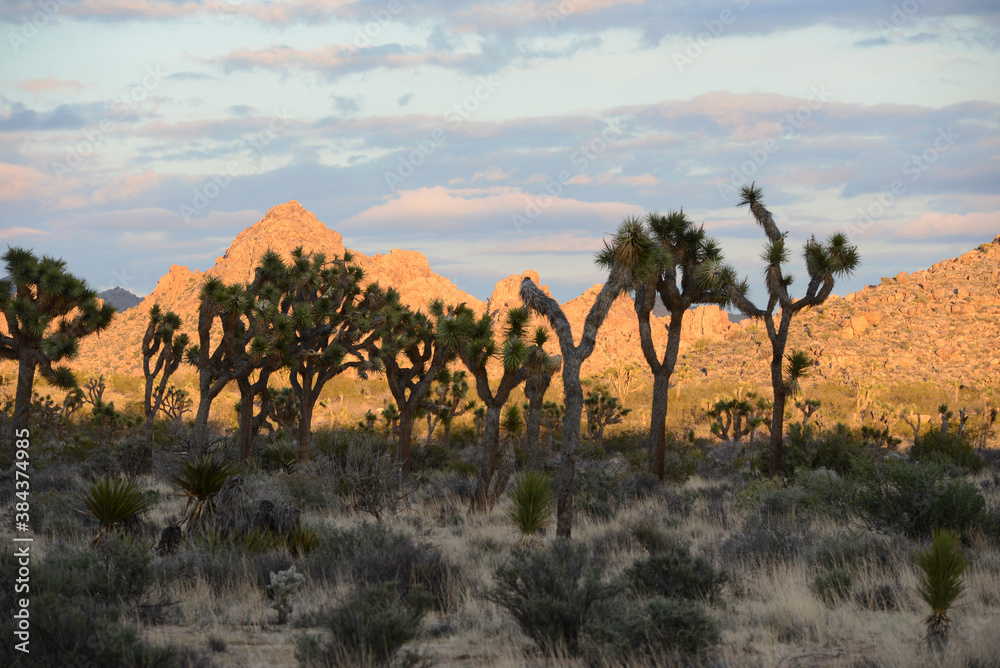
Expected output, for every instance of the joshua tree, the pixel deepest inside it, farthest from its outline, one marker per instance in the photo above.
(541, 368)
(160, 338)
(447, 403)
(573, 356)
(665, 257)
(603, 409)
(37, 295)
(741, 414)
(824, 263)
(228, 360)
(412, 348)
(332, 323)
(514, 352)
(807, 407)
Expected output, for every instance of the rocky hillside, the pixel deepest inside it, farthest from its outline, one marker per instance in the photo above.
(941, 324)
(289, 225)
(120, 298)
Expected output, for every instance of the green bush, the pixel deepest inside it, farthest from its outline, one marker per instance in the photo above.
(554, 594)
(368, 630)
(946, 449)
(372, 554)
(676, 574)
(913, 498)
(833, 586)
(675, 626)
(833, 449)
(850, 549)
(70, 622)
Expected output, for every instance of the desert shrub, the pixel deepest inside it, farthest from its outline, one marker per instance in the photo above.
(308, 492)
(602, 489)
(372, 554)
(833, 586)
(949, 448)
(69, 626)
(367, 478)
(810, 448)
(679, 626)
(369, 629)
(914, 498)
(225, 569)
(851, 549)
(554, 593)
(768, 539)
(280, 456)
(674, 573)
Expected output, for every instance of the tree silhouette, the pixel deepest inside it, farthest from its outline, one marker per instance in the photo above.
(573, 357)
(480, 348)
(332, 321)
(38, 294)
(824, 262)
(665, 257)
(162, 342)
(412, 348)
(447, 402)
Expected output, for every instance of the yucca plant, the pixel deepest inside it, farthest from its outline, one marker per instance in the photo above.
(943, 564)
(302, 540)
(200, 481)
(530, 511)
(114, 501)
(281, 456)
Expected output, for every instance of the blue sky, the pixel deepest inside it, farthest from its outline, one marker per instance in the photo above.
(495, 137)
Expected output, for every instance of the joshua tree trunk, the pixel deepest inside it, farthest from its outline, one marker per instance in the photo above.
(573, 357)
(245, 431)
(25, 385)
(533, 431)
(778, 413)
(200, 436)
(405, 437)
(491, 453)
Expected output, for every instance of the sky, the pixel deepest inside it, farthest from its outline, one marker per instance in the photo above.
(496, 137)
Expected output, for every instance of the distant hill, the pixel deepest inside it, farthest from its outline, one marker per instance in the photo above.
(120, 298)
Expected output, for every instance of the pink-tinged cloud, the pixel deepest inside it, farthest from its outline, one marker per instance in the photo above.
(440, 208)
(333, 58)
(51, 84)
(568, 242)
(127, 186)
(492, 174)
(19, 183)
(15, 232)
(985, 224)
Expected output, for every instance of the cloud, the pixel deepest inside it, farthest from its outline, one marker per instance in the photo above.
(51, 84)
(935, 226)
(492, 174)
(14, 232)
(405, 99)
(439, 209)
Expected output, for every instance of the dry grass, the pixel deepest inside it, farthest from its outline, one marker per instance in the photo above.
(769, 614)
